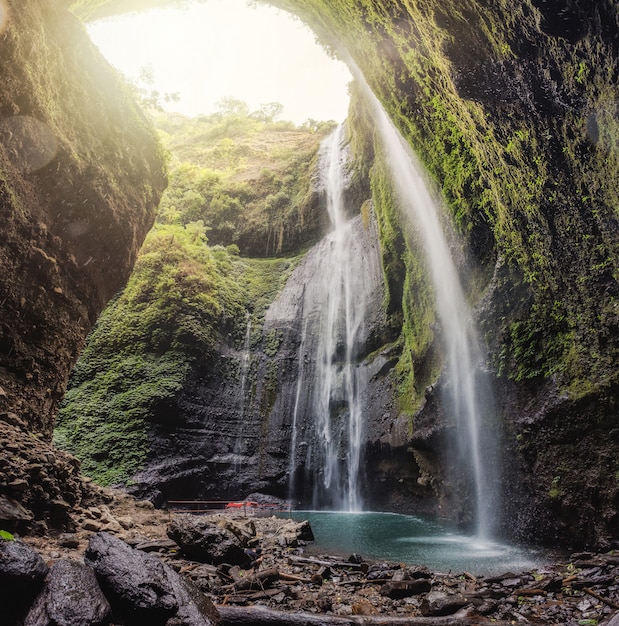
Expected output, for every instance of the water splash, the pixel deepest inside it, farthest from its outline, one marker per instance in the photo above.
(328, 386)
(461, 344)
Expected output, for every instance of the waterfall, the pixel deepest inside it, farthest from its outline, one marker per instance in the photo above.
(334, 306)
(239, 446)
(476, 448)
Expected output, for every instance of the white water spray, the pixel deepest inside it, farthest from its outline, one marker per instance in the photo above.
(461, 344)
(334, 307)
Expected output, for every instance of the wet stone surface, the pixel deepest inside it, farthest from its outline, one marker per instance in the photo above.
(283, 573)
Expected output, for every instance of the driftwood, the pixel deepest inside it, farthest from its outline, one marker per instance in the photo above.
(259, 580)
(259, 616)
(597, 596)
(361, 567)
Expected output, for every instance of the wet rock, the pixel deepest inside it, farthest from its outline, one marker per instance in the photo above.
(439, 603)
(22, 571)
(398, 589)
(205, 541)
(380, 571)
(194, 609)
(136, 583)
(20, 564)
(71, 597)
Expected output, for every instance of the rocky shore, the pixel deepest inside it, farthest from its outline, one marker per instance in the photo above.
(127, 564)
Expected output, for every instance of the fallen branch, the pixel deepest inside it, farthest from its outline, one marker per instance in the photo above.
(530, 592)
(260, 616)
(339, 564)
(259, 580)
(602, 599)
(295, 579)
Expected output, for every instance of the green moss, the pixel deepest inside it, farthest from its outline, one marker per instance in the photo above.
(183, 297)
(248, 179)
(528, 180)
(555, 491)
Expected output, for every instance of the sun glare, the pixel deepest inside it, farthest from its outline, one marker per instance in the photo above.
(207, 51)
(4, 16)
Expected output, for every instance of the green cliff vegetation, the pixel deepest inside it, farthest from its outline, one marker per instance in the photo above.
(188, 293)
(516, 127)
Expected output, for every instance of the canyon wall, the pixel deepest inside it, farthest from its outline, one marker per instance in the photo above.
(513, 110)
(81, 173)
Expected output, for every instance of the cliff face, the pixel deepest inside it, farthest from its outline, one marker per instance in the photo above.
(80, 177)
(513, 110)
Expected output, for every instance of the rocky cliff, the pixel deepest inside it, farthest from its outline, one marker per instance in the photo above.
(512, 109)
(80, 176)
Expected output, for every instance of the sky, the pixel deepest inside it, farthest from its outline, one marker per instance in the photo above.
(209, 50)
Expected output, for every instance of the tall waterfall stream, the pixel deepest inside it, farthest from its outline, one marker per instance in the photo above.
(338, 303)
(467, 403)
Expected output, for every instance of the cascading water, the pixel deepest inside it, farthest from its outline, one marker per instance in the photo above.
(334, 308)
(475, 444)
(239, 445)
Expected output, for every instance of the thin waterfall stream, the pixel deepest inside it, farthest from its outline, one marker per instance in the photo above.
(239, 445)
(334, 308)
(474, 440)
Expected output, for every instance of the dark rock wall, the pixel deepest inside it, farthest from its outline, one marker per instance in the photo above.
(80, 177)
(231, 431)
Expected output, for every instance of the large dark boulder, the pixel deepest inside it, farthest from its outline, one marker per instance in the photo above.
(194, 608)
(71, 597)
(205, 541)
(20, 564)
(136, 584)
(22, 571)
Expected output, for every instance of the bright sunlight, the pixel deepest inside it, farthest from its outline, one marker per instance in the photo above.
(214, 49)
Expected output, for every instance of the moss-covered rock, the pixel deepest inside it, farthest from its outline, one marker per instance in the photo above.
(81, 173)
(512, 107)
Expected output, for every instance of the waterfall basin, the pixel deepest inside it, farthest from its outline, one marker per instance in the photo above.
(415, 540)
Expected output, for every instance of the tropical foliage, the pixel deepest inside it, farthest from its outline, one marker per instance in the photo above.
(228, 170)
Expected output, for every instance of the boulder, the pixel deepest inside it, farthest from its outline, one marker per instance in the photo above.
(12, 511)
(439, 603)
(22, 572)
(20, 565)
(194, 608)
(205, 541)
(71, 597)
(136, 584)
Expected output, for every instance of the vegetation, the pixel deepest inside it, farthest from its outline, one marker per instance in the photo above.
(530, 178)
(245, 175)
(186, 293)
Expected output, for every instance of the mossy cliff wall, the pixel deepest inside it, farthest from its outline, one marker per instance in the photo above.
(80, 177)
(513, 109)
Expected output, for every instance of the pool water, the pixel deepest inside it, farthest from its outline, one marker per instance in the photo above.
(415, 541)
